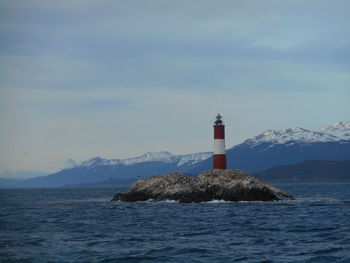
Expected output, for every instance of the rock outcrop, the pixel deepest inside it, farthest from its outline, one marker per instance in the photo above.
(228, 185)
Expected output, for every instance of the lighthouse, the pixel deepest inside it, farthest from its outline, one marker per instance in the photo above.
(219, 160)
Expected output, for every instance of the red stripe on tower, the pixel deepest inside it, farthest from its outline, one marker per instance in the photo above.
(219, 160)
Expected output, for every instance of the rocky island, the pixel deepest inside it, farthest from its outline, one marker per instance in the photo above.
(216, 184)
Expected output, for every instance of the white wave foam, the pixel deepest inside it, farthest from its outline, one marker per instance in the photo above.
(218, 201)
(170, 201)
(161, 201)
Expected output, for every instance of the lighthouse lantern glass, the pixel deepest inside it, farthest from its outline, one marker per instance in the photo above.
(218, 119)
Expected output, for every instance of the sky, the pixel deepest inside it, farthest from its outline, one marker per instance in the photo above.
(115, 79)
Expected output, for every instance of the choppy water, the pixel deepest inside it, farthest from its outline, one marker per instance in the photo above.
(82, 225)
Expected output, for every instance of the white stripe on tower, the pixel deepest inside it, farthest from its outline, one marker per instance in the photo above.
(219, 146)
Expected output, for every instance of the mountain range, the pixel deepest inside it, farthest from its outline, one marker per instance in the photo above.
(99, 169)
(266, 150)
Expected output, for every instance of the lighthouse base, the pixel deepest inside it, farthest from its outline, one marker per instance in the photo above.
(219, 161)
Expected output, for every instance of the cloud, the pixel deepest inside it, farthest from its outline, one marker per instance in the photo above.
(70, 163)
(179, 45)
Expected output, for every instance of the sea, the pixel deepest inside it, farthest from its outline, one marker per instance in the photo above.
(83, 225)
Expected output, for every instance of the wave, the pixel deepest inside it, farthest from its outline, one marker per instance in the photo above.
(160, 201)
(315, 200)
(301, 200)
(74, 201)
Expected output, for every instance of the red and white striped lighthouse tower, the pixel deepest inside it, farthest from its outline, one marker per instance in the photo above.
(219, 160)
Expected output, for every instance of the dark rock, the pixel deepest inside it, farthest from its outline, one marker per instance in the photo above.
(228, 185)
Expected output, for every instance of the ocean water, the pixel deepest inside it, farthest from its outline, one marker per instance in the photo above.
(82, 225)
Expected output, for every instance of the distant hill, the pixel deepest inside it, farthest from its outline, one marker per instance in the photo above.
(269, 149)
(315, 171)
(9, 182)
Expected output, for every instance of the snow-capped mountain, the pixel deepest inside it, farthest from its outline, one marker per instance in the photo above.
(339, 129)
(191, 159)
(331, 133)
(163, 156)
